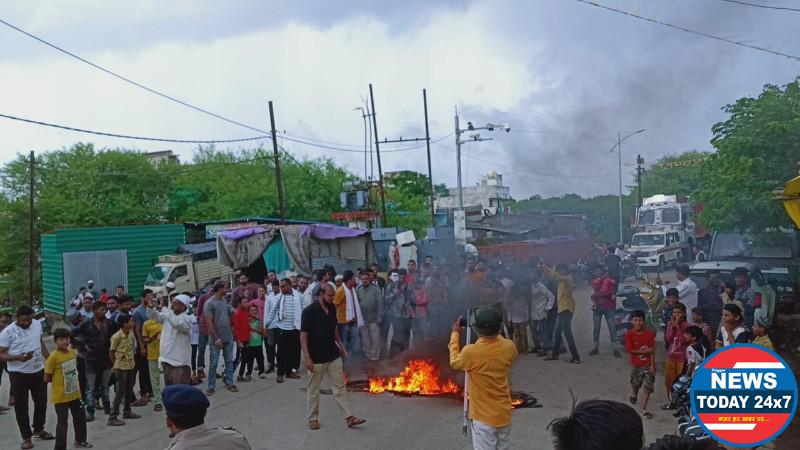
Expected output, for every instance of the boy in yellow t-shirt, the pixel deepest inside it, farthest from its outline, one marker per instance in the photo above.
(61, 369)
(121, 354)
(151, 333)
(760, 330)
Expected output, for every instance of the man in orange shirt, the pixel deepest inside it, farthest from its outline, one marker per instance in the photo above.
(488, 362)
(348, 314)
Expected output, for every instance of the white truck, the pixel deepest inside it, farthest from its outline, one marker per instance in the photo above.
(191, 269)
(664, 231)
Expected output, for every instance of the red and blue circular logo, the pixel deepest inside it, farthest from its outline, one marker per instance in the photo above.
(744, 395)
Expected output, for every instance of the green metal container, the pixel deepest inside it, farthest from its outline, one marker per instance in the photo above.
(137, 247)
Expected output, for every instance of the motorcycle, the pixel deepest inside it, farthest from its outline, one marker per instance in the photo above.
(630, 268)
(681, 402)
(632, 300)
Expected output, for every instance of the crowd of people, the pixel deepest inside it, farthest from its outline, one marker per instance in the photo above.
(136, 346)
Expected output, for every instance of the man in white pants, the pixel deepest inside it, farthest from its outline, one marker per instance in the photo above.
(488, 362)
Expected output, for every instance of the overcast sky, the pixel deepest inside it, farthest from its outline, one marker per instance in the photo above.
(566, 76)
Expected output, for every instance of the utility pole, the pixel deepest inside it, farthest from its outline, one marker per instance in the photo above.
(458, 165)
(384, 220)
(31, 220)
(428, 146)
(619, 158)
(278, 176)
(639, 173)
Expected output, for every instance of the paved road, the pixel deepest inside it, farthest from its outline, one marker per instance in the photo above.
(273, 415)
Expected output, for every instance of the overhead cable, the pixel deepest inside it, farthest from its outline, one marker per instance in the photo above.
(125, 136)
(687, 30)
(128, 80)
(756, 5)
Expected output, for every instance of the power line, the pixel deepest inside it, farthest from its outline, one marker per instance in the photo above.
(687, 30)
(124, 136)
(298, 139)
(340, 149)
(128, 80)
(756, 5)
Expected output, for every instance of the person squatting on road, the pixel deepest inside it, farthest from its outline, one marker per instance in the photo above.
(324, 350)
(487, 362)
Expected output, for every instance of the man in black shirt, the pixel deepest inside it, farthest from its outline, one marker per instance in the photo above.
(319, 337)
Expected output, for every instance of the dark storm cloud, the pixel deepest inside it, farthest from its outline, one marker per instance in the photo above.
(105, 26)
(618, 73)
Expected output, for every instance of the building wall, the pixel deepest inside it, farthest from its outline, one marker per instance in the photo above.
(143, 243)
(481, 195)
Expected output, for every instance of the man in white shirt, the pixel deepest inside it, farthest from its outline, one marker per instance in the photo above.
(175, 348)
(22, 347)
(687, 289)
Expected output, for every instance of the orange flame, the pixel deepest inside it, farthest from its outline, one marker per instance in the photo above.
(419, 377)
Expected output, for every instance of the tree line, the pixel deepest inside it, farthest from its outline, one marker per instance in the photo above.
(755, 151)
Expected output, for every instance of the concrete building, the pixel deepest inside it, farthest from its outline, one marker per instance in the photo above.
(489, 196)
(157, 158)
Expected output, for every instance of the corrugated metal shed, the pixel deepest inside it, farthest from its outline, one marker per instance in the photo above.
(143, 243)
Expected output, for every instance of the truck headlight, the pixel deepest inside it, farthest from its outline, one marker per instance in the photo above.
(781, 289)
(789, 289)
(653, 254)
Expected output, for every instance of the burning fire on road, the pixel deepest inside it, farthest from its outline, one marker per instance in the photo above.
(421, 378)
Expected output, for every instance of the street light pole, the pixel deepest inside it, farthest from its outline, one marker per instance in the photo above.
(618, 146)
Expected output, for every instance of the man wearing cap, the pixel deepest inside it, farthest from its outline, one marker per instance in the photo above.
(86, 309)
(487, 362)
(175, 347)
(90, 289)
(186, 408)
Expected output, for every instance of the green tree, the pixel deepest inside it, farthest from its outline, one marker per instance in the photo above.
(75, 187)
(229, 184)
(678, 174)
(408, 200)
(758, 148)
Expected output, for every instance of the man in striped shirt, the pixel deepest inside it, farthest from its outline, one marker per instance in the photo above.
(284, 315)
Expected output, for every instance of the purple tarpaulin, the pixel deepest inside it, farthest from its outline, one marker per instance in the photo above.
(329, 232)
(241, 233)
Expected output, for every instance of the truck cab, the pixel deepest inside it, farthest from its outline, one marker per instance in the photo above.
(175, 268)
(655, 249)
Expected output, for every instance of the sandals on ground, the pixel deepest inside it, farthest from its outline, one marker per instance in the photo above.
(44, 435)
(83, 445)
(647, 415)
(313, 425)
(26, 444)
(354, 421)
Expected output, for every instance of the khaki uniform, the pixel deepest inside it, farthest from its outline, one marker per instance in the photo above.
(203, 438)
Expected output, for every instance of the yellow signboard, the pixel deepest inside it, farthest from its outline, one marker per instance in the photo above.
(791, 200)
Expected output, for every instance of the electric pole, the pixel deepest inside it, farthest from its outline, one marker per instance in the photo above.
(278, 176)
(428, 146)
(31, 220)
(384, 220)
